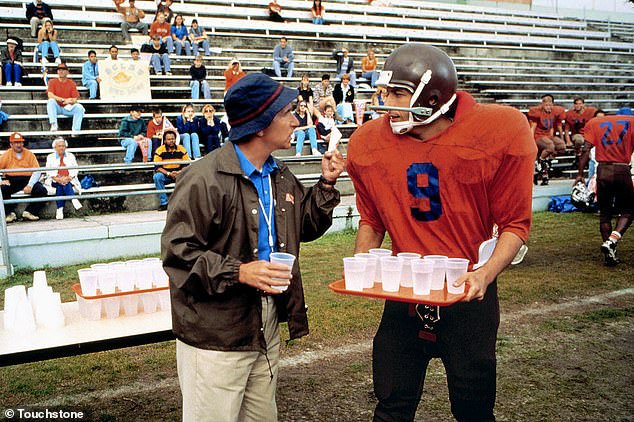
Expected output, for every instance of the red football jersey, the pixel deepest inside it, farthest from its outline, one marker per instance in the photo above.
(575, 122)
(546, 122)
(612, 137)
(443, 195)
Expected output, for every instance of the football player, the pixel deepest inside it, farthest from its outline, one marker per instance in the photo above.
(546, 120)
(436, 172)
(576, 119)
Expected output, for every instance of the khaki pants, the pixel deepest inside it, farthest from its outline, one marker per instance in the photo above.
(35, 21)
(231, 386)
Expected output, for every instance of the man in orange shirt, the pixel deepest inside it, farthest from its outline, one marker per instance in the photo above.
(163, 29)
(546, 119)
(368, 68)
(436, 173)
(17, 157)
(62, 99)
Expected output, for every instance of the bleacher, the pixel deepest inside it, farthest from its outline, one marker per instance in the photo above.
(502, 55)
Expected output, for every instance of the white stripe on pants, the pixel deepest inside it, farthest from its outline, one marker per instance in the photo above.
(231, 386)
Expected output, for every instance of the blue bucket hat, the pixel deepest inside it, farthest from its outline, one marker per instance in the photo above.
(253, 102)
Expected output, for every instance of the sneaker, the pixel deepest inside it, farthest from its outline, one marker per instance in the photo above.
(30, 217)
(11, 217)
(44, 60)
(59, 214)
(299, 154)
(162, 207)
(58, 60)
(18, 84)
(544, 180)
(609, 251)
(76, 204)
(54, 127)
(168, 73)
(316, 152)
(9, 83)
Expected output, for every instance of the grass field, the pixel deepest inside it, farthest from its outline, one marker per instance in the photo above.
(565, 345)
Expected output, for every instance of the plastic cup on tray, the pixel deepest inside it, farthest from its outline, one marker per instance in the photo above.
(406, 273)
(422, 273)
(88, 280)
(354, 273)
(438, 275)
(391, 268)
(456, 267)
(370, 268)
(380, 253)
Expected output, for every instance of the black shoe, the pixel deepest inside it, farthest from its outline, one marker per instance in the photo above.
(609, 251)
(162, 207)
(544, 181)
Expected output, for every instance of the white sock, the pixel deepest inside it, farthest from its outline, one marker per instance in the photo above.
(615, 236)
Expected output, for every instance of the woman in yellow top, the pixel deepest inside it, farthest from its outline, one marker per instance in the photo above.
(368, 68)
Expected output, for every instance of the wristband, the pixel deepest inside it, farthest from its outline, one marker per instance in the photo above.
(325, 181)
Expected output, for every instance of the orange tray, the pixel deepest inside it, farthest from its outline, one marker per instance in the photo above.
(405, 294)
(77, 289)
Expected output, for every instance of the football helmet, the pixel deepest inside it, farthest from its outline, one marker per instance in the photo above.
(581, 197)
(429, 74)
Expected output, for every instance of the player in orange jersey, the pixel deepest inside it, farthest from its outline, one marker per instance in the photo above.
(436, 172)
(546, 120)
(576, 119)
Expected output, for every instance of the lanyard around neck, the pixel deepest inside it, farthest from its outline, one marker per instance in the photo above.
(268, 218)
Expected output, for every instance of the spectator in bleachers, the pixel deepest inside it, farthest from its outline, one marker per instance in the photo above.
(168, 173)
(187, 126)
(90, 75)
(318, 10)
(163, 29)
(160, 58)
(326, 125)
(180, 36)
(164, 9)
(545, 121)
(156, 126)
(211, 130)
(576, 119)
(306, 93)
(368, 68)
(12, 63)
(198, 73)
(198, 39)
(62, 182)
(283, 58)
(36, 13)
(17, 157)
(131, 19)
(377, 100)
(62, 99)
(233, 73)
(344, 97)
(275, 12)
(305, 129)
(47, 39)
(345, 65)
(322, 93)
(113, 53)
(135, 54)
(131, 136)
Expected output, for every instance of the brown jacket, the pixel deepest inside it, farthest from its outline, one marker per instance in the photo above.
(211, 228)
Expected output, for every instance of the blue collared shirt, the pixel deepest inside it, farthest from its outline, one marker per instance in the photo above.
(260, 180)
(89, 72)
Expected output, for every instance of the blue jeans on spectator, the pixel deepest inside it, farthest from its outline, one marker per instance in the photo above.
(195, 86)
(46, 45)
(205, 46)
(62, 190)
(130, 146)
(277, 66)
(179, 48)
(160, 180)
(300, 136)
(77, 112)
(191, 143)
(372, 76)
(92, 89)
(162, 61)
(12, 73)
(318, 21)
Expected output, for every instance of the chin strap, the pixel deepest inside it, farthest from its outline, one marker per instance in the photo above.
(400, 128)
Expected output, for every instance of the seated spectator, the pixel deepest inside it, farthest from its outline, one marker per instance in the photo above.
(306, 93)
(12, 63)
(368, 68)
(211, 130)
(155, 128)
(187, 127)
(198, 39)
(545, 121)
(113, 53)
(318, 11)
(163, 29)
(275, 12)
(344, 97)
(164, 9)
(283, 58)
(233, 73)
(17, 157)
(135, 54)
(62, 99)
(166, 173)
(377, 100)
(131, 19)
(345, 64)
(47, 39)
(199, 74)
(180, 36)
(62, 182)
(90, 75)
(326, 125)
(131, 136)
(160, 58)
(322, 94)
(305, 128)
(36, 13)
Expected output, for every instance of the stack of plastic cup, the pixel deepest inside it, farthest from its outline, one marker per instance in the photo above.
(370, 268)
(422, 273)
(39, 279)
(380, 253)
(49, 312)
(438, 274)
(18, 314)
(391, 268)
(455, 268)
(354, 273)
(282, 258)
(406, 274)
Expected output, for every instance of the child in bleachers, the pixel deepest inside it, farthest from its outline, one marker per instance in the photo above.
(187, 127)
(131, 135)
(155, 128)
(233, 73)
(211, 130)
(198, 74)
(180, 36)
(47, 39)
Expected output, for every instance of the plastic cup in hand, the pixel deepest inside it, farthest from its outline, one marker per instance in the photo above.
(391, 268)
(39, 279)
(88, 280)
(422, 271)
(370, 268)
(406, 274)
(438, 275)
(354, 273)
(380, 253)
(456, 267)
(286, 259)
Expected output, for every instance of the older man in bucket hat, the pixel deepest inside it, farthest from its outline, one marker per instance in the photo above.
(230, 210)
